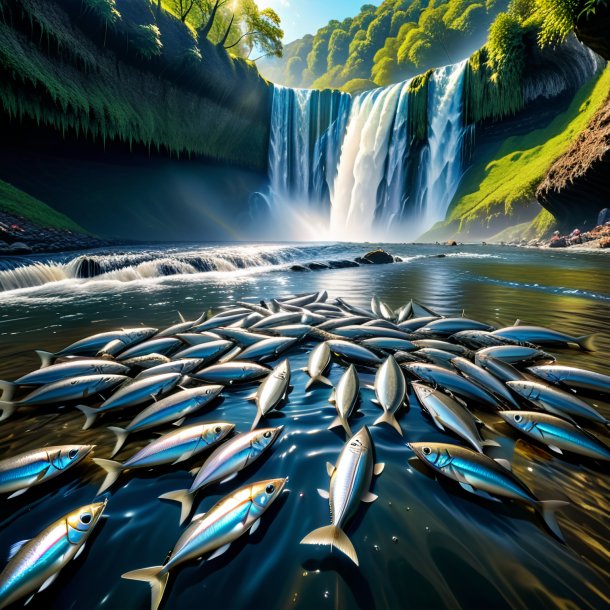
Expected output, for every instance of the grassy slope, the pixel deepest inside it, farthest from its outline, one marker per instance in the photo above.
(15, 201)
(504, 178)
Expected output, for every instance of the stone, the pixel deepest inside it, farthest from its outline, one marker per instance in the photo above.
(317, 266)
(299, 268)
(603, 216)
(342, 264)
(19, 247)
(378, 257)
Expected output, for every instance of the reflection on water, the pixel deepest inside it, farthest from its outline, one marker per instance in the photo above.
(423, 544)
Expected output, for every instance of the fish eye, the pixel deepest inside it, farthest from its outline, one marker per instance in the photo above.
(427, 450)
(518, 418)
(218, 429)
(270, 489)
(72, 453)
(267, 434)
(85, 518)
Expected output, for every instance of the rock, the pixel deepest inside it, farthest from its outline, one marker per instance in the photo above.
(397, 259)
(299, 268)
(603, 217)
(362, 261)
(604, 242)
(19, 247)
(342, 264)
(378, 257)
(317, 266)
(558, 242)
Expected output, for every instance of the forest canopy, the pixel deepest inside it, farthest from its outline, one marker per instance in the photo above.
(402, 38)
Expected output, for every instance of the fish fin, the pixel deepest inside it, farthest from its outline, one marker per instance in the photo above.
(311, 381)
(330, 469)
(547, 509)
(7, 408)
(323, 494)
(181, 318)
(46, 358)
(251, 397)
(555, 449)
(121, 436)
(15, 548)
(378, 468)
(334, 537)
(257, 419)
(185, 456)
(469, 488)
(324, 380)
(79, 552)
(219, 552)
(375, 402)
(29, 599)
(48, 582)
(179, 422)
(113, 469)
(335, 423)
(197, 517)
(231, 476)
(438, 423)
(255, 526)
(518, 322)
(8, 390)
(369, 497)
(504, 463)
(368, 386)
(333, 396)
(184, 498)
(193, 471)
(388, 418)
(157, 580)
(17, 493)
(490, 443)
(478, 492)
(587, 342)
(90, 415)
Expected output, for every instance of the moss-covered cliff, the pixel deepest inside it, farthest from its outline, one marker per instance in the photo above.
(107, 70)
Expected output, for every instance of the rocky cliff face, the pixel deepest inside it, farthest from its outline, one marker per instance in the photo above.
(577, 186)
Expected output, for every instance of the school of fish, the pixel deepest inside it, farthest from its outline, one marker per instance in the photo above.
(150, 379)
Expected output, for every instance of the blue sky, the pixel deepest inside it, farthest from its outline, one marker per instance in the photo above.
(300, 17)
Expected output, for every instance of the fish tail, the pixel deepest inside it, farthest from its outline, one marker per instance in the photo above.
(333, 536)
(389, 418)
(8, 408)
(113, 470)
(319, 379)
(46, 358)
(339, 421)
(257, 419)
(587, 342)
(184, 498)
(547, 509)
(156, 578)
(90, 414)
(8, 390)
(121, 436)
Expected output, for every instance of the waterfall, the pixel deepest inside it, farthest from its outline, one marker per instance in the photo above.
(348, 168)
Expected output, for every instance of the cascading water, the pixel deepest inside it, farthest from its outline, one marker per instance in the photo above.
(442, 157)
(348, 167)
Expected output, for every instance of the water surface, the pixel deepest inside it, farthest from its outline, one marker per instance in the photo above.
(423, 544)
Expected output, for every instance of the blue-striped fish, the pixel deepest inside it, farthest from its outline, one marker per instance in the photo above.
(171, 448)
(556, 433)
(20, 472)
(214, 531)
(167, 410)
(34, 564)
(480, 475)
(224, 463)
(350, 480)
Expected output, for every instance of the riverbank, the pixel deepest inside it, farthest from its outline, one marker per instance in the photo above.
(18, 236)
(597, 238)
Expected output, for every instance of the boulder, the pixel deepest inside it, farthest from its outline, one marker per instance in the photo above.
(317, 266)
(378, 257)
(451, 242)
(342, 264)
(299, 268)
(19, 247)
